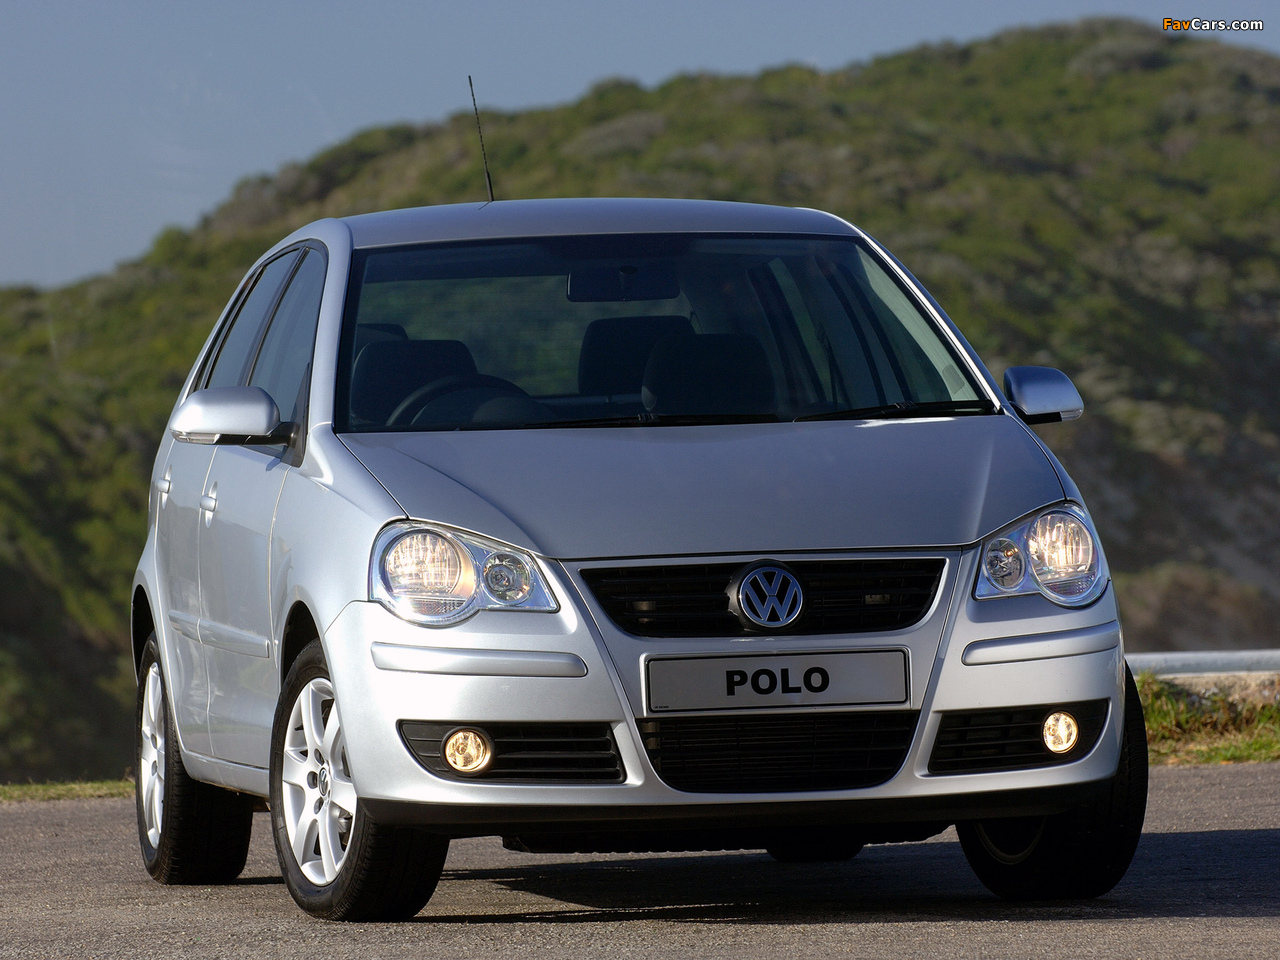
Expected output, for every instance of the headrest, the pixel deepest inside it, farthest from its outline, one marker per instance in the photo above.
(616, 349)
(387, 371)
(367, 333)
(708, 374)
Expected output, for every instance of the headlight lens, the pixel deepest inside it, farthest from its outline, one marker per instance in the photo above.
(1054, 553)
(507, 577)
(1003, 564)
(428, 574)
(1063, 559)
(437, 577)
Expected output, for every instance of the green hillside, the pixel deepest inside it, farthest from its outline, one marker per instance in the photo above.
(1100, 197)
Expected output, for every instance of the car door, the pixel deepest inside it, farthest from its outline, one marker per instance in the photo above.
(243, 486)
(180, 516)
(177, 530)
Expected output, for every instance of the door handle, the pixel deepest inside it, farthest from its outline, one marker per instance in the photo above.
(163, 485)
(209, 502)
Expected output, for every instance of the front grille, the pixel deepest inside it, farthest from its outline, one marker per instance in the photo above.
(840, 596)
(826, 751)
(525, 752)
(976, 741)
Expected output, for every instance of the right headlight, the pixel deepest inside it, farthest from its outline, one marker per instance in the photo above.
(437, 577)
(1055, 553)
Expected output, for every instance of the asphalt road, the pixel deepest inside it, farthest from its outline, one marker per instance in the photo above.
(1205, 883)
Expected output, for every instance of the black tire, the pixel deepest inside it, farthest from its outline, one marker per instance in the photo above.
(380, 872)
(821, 848)
(1071, 856)
(190, 832)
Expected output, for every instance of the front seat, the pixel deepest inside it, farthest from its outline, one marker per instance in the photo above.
(387, 371)
(615, 351)
(721, 373)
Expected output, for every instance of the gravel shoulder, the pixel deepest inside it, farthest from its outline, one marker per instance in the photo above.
(1205, 883)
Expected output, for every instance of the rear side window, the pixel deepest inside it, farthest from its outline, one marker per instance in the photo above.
(283, 366)
(236, 349)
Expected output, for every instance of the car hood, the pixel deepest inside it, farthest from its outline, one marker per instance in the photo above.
(743, 488)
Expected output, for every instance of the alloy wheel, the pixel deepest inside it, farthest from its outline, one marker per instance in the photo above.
(319, 797)
(151, 757)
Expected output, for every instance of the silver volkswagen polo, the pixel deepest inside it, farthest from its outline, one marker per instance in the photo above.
(618, 525)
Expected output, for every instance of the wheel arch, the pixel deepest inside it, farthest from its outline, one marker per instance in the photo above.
(142, 624)
(299, 630)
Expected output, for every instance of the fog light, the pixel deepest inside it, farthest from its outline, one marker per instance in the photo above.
(468, 751)
(1061, 732)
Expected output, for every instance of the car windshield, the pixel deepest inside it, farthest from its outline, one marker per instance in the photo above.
(638, 330)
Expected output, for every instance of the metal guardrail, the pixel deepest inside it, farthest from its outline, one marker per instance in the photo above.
(1197, 662)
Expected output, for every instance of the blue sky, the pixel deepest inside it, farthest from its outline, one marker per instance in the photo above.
(121, 118)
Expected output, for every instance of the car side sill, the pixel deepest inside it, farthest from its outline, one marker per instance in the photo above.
(233, 776)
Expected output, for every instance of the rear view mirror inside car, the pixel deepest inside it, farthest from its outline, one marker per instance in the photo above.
(618, 282)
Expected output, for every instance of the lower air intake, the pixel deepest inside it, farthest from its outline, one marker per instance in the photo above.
(525, 752)
(768, 754)
(979, 741)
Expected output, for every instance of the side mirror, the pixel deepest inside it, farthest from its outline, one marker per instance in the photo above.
(229, 415)
(1042, 394)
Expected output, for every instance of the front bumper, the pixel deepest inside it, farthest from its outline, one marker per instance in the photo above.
(512, 667)
(734, 824)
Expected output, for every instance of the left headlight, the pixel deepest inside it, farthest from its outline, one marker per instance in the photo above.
(1055, 553)
(437, 577)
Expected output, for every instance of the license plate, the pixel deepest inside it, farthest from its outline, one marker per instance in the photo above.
(778, 680)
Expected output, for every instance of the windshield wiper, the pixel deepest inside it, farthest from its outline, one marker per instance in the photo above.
(904, 409)
(632, 420)
(654, 420)
(700, 419)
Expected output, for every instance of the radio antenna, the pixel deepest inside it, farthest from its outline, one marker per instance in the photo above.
(483, 156)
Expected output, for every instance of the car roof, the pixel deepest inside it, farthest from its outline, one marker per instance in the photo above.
(504, 219)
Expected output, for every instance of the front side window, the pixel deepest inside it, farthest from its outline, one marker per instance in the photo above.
(236, 349)
(283, 365)
(638, 330)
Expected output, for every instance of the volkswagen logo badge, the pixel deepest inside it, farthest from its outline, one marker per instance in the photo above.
(767, 596)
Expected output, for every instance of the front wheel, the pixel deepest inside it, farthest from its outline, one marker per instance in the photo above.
(190, 832)
(1075, 855)
(337, 862)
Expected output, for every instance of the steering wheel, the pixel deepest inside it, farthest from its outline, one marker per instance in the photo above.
(413, 404)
